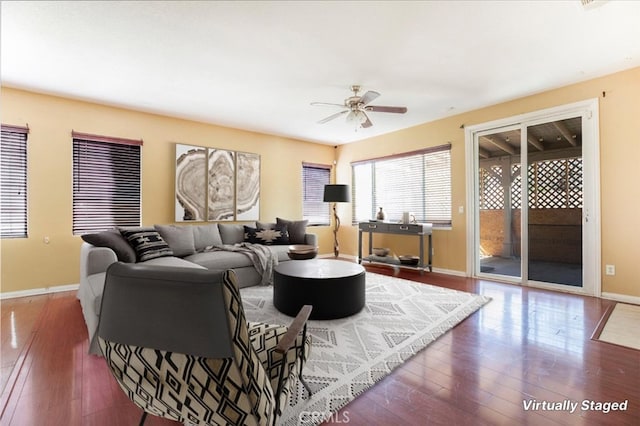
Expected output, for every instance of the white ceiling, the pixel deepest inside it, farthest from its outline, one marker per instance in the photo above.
(258, 65)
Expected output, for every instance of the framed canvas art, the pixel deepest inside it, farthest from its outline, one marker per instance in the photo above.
(247, 186)
(191, 196)
(221, 184)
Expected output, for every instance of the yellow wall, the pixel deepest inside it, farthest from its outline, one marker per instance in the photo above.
(29, 263)
(51, 120)
(619, 172)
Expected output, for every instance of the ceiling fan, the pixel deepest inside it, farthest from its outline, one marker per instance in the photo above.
(356, 108)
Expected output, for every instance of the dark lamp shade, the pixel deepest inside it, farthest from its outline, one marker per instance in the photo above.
(336, 194)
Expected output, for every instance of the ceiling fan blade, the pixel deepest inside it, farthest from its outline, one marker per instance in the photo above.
(332, 116)
(368, 97)
(366, 123)
(326, 104)
(380, 108)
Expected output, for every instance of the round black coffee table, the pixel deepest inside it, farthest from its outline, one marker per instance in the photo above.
(335, 288)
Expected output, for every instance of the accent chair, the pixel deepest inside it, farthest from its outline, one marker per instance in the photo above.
(178, 344)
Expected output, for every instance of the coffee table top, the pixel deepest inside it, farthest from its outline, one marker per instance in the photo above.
(319, 268)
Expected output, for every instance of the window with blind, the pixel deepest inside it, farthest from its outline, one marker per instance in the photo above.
(314, 178)
(418, 182)
(106, 183)
(13, 182)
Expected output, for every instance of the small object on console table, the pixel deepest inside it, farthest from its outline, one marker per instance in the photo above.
(380, 251)
(409, 260)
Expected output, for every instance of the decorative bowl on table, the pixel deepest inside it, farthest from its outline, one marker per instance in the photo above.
(302, 252)
(380, 251)
(409, 260)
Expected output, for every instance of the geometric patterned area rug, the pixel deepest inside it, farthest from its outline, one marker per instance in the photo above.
(350, 355)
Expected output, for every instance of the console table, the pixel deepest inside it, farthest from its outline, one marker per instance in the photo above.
(419, 230)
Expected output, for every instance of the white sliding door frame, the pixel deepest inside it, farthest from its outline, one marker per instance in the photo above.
(591, 244)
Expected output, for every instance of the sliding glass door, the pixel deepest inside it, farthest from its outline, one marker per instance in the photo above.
(534, 199)
(555, 196)
(499, 221)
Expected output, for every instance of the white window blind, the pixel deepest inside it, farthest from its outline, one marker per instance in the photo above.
(314, 178)
(106, 183)
(418, 182)
(13, 182)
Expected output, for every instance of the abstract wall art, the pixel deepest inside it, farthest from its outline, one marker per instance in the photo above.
(216, 184)
(247, 186)
(191, 196)
(221, 176)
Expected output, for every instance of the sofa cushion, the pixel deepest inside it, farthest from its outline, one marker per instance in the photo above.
(147, 243)
(220, 259)
(276, 236)
(232, 233)
(206, 236)
(173, 261)
(297, 229)
(179, 238)
(115, 241)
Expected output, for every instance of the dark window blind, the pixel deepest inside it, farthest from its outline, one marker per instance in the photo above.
(13, 182)
(314, 178)
(417, 182)
(106, 183)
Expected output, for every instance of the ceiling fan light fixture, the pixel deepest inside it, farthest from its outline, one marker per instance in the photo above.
(355, 117)
(355, 107)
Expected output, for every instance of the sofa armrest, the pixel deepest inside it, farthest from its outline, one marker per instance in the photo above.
(311, 239)
(94, 260)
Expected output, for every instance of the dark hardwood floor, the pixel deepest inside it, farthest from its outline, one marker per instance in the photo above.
(525, 345)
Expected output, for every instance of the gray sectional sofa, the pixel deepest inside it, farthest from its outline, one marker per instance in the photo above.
(250, 249)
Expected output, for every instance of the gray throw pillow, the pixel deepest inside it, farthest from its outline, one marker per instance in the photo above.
(179, 237)
(113, 240)
(265, 225)
(232, 233)
(206, 236)
(147, 243)
(297, 229)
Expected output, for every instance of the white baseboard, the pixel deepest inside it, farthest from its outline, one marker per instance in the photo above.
(635, 300)
(38, 291)
(450, 272)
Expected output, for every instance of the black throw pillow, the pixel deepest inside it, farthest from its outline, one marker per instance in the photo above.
(276, 236)
(113, 240)
(147, 243)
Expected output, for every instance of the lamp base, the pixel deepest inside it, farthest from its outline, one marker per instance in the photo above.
(336, 246)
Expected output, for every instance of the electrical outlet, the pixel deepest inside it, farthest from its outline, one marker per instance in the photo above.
(610, 269)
